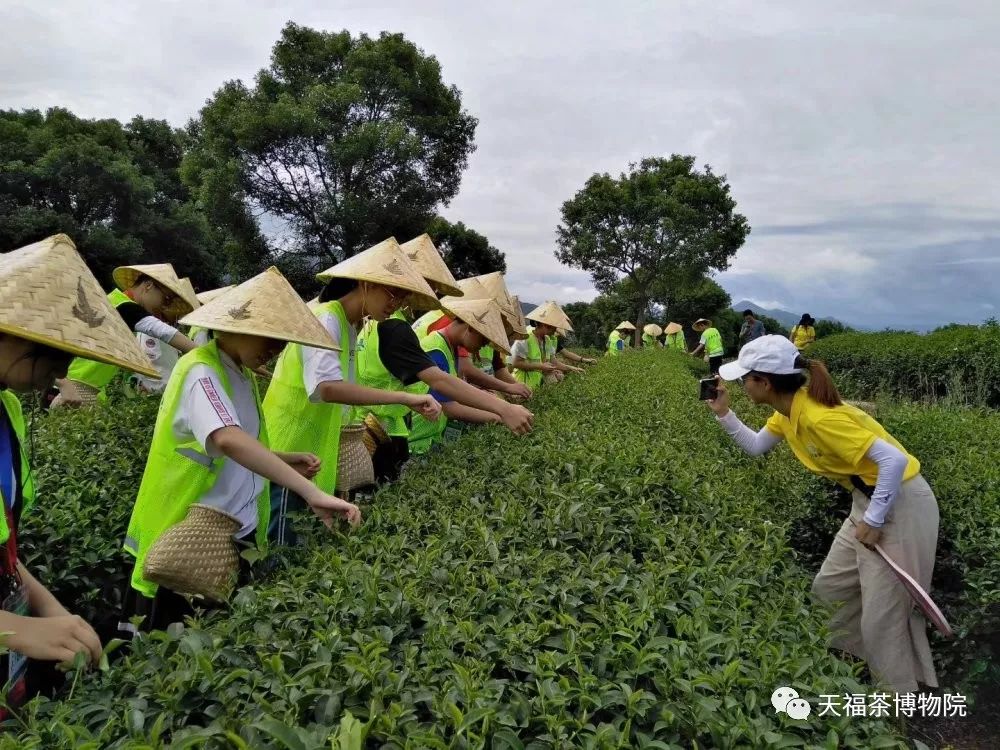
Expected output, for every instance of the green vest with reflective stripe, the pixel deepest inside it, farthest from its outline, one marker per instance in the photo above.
(372, 373)
(12, 405)
(613, 340)
(97, 374)
(179, 473)
(676, 341)
(423, 432)
(713, 342)
(425, 321)
(297, 424)
(531, 378)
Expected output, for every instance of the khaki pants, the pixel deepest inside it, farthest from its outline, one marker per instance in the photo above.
(877, 620)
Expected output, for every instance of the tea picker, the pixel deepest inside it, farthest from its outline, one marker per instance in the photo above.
(618, 339)
(893, 521)
(53, 309)
(204, 492)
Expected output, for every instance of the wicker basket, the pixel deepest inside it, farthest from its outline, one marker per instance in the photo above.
(375, 435)
(73, 393)
(354, 462)
(197, 556)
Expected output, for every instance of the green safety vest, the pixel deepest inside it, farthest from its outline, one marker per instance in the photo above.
(425, 321)
(648, 340)
(676, 341)
(533, 378)
(12, 405)
(295, 422)
(613, 340)
(372, 373)
(713, 342)
(179, 473)
(551, 346)
(97, 374)
(424, 434)
(486, 360)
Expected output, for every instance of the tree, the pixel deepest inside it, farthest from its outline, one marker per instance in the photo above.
(115, 190)
(340, 143)
(466, 251)
(662, 223)
(827, 327)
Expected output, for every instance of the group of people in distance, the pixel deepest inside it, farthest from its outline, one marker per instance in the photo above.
(396, 343)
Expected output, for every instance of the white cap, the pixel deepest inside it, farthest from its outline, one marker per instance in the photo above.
(774, 355)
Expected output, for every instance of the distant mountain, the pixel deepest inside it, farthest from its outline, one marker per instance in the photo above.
(787, 319)
(527, 307)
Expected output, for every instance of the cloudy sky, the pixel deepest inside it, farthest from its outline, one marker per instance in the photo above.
(859, 138)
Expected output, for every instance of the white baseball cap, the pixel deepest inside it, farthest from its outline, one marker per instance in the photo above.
(775, 355)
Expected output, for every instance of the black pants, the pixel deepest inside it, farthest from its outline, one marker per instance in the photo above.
(714, 363)
(389, 459)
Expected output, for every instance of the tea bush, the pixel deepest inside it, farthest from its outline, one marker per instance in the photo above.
(621, 577)
(958, 363)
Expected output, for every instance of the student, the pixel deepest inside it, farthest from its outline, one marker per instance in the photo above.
(552, 319)
(529, 357)
(147, 298)
(313, 390)
(618, 341)
(198, 335)
(710, 343)
(474, 323)
(673, 337)
(751, 329)
(210, 444)
(650, 336)
(803, 333)
(53, 308)
(892, 504)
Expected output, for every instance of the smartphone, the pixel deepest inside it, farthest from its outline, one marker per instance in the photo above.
(708, 389)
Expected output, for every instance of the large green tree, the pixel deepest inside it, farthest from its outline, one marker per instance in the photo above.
(114, 189)
(661, 225)
(466, 251)
(340, 142)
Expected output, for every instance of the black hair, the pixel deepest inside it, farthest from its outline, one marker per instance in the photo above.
(336, 288)
(748, 313)
(806, 320)
(821, 386)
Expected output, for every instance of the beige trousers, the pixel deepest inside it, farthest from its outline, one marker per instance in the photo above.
(877, 620)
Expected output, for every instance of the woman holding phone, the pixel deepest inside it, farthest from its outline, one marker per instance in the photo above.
(893, 506)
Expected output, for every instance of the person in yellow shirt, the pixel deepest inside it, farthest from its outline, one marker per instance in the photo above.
(893, 506)
(803, 333)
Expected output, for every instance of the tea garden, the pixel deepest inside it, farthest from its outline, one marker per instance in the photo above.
(622, 577)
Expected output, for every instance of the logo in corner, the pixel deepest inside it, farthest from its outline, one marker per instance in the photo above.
(82, 309)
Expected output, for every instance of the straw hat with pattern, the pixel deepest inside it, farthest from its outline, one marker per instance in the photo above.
(625, 326)
(206, 297)
(673, 328)
(48, 295)
(267, 306)
(191, 295)
(483, 316)
(548, 314)
(428, 260)
(518, 324)
(496, 286)
(651, 329)
(163, 274)
(386, 264)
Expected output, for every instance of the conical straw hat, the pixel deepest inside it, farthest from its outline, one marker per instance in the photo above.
(625, 326)
(518, 324)
(266, 305)
(164, 274)
(206, 297)
(548, 314)
(48, 295)
(652, 329)
(483, 316)
(673, 328)
(191, 295)
(428, 260)
(497, 288)
(386, 264)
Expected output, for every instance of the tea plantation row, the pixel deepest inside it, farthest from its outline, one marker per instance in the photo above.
(621, 577)
(959, 363)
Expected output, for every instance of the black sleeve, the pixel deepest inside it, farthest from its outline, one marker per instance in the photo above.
(559, 344)
(400, 351)
(132, 313)
(498, 361)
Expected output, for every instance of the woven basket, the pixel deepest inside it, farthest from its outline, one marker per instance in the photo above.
(72, 392)
(197, 556)
(550, 378)
(354, 462)
(375, 435)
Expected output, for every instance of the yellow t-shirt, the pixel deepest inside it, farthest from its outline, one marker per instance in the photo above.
(832, 441)
(804, 335)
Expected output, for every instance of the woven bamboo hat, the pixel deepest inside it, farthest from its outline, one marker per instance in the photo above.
(191, 295)
(48, 295)
(625, 326)
(518, 325)
(673, 328)
(652, 329)
(497, 288)
(483, 316)
(267, 306)
(163, 274)
(425, 256)
(386, 264)
(549, 314)
(206, 297)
